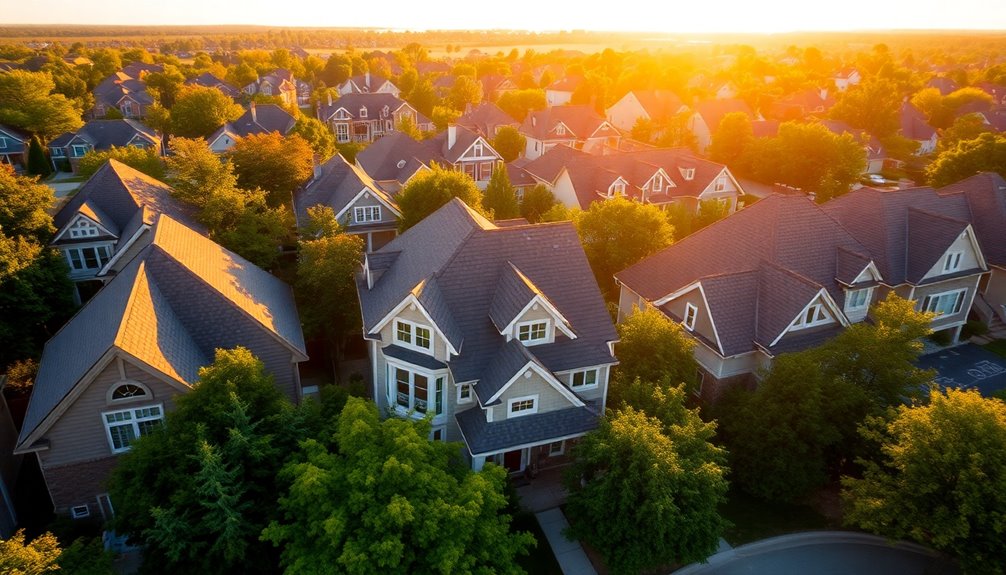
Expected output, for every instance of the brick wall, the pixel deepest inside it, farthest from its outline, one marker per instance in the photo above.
(78, 483)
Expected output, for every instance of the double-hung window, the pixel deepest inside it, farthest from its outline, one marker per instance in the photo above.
(946, 303)
(413, 335)
(586, 379)
(691, 312)
(857, 299)
(532, 332)
(342, 133)
(416, 392)
(658, 183)
(366, 214)
(126, 425)
(465, 393)
(952, 262)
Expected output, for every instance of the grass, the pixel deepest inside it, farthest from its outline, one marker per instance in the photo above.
(540, 560)
(754, 519)
(997, 347)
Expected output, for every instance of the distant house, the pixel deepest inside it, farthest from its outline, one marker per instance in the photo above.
(915, 127)
(560, 92)
(258, 119)
(650, 105)
(874, 151)
(368, 84)
(113, 371)
(100, 135)
(660, 176)
(393, 160)
(727, 91)
(846, 77)
(365, 117)
(497, 334)
(123, 92)
(486, 119)
(943, 84)
(13, 147)
(997, 91)
(799, 105)
(360, 205)
(579, 127)
(208, 80)
(707, 115)
(494, 85)
(279, 83)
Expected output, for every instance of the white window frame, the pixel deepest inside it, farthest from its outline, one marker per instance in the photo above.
(341, 132)
(477, 150)
(433, 378)
(817, 311)
(366, 214)
(617, 188)
(465, 393)
(363, 111)
(76, 150)
(102, 260)
(531, 410)
(82, 228)
(560, 130)
(144, 395)
(529, 325)
(853, 295)
(658, 183)
(413, 331)
(952, 262)
(688, 173)
(552, 452)
(135, 419)
(930, 303)
(58, 152)
(584, 373)
(720, 185)
(80, 511)
(691, 312)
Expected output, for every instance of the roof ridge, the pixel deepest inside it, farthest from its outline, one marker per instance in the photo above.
(795, 274)
(128, 309)
(938, 216)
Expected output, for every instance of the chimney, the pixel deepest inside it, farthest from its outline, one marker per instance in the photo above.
(329, 97)
(254, 117)
(452, 136)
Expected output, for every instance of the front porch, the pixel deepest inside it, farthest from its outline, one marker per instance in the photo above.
(543, 491)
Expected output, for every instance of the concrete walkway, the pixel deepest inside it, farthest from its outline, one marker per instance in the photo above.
(569, 554)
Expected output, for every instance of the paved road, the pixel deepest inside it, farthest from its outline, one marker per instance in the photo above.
(968, 366)
(824, 553)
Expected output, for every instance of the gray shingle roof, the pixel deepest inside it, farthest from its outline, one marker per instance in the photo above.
(395, 157)
(929, 237)
(483, 437)
(265, 119)
(208, 80)
(485, 119)
(103, 134)
(509, 360)
(581, 120)
(379, 106)
(985, 196)
(413, 357)
(337, 185)
(513, 292)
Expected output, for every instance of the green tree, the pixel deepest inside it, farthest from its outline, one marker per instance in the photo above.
(651, 350)
(500, 199)
(731, 139)
(200, 110)
(165, 85)
(242, 75)
(941, 479)
(196, 172)
(644, 491)
(27, 101)
(377, 496)
(407, 126)
(466, 90)
(38, 163)
(510, 143)
(443, 116)
(198, 491)
(317, 135)
(964, 128)
(39, 556)
(146, 160)
(518, 103)
(274, 163)
(536, 202)
(986, 153)
(617, 233)
(158, 117)
(874, 106)
(429, 190)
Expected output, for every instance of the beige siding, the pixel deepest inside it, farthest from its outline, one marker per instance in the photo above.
(625, 112)
(969, 259)
(596, 394)
(79, 434)
(703, 323)
(549, 399)
(369, 199)
(628, 302)
(564, 192)
(415, 316)
(970, 283)
(720, 367)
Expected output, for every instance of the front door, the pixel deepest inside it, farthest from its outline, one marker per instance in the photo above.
(513, 460)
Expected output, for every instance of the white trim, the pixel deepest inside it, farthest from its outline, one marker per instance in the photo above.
(133, 420)
(487, 454)
(960, 296)
(826, 301)
(431, 381)
(82, 511)
(561, 451)
(118, 253)
(562, 324)
(510, 413)
(547, 338)
(711, 187)
(601, 127)
(870, 268)
(77, 217)
(952, 261)
(406, 301)
(709, 312)
(866, 301)
(109, 400)
(471, 392)
(363, 214)
(693, 311)
(413, 336)
(546, 375)
(376, 195)
(485, 146)
(584, 386)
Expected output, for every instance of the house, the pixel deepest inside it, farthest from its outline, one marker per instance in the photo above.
(915, 127)
(997, 91)
(650, 105)
(707, 115)
(360, 205)
(279, 83)
(365, 117)
(560, 92)
(579, 127)
(67, 149)
(796, 273)
(13, 147)
(108, 219)
(123, 92)
(944, 84)
(499, 334)
(520, 179)
(728, 90)
(393, 160)
(846, 77)
(486, 119)
(258, 119)
(799, 105)
(660, 176)
(875, 153)
(113, 371)
(495, 85)
(368, 84)
(208, 80)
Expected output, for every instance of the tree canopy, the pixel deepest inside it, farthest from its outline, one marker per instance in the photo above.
(274, 163)
(651, 350)
(198, 111)
(28, 101)
(316, 134)
(510, 143)
(500, 198)
(426, 192)
(731, 138)
(873, 105)
(146, 160)
(986, 153)
(536, 202)
(39, 556)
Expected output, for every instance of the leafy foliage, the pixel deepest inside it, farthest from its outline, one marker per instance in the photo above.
(317, 135)
(941, 479)
(652, 350)
(731, 139)
(519, 103)
(28, 101)
(200, 110)
(274, 163)
(145, 160)
(874, 106)
(429, 190)
(379, 497)
(39, 556)
(536, 202)
(500, 198)
(38, 163)
(510, 143)
(986, 153)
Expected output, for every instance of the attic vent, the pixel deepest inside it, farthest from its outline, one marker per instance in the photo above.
(401, 164)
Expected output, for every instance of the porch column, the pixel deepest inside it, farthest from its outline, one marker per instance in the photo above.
(478, 462)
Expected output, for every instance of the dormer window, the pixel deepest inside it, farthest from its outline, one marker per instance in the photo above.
(617, 189)
(814, 316)
(363, 112)
(532, 332)
(477, 150)
(83, 229)
(687, 173)
(413, 335)
(946, 303)
(560, 130)
(691, 312)
(952, 262)
(857, 299)
(721, 184)
(658, 183)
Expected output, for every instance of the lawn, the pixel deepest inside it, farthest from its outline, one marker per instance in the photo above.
(754, 519)
(540, 560)
(997, 347)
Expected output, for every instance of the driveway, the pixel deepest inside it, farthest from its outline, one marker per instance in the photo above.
(967, 366)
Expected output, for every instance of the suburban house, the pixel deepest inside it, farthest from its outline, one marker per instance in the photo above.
(560, 92)
(578, 127)
(874, 151)
(799, 105)
(486, 119)
(110, 374)
(846, 77)
(368, 84)
(208, 80)
(13, 147)
(498, 333)
(495, 85)
(279, 82)
(707, 115)
(659, 176)
(643, 105)
(109, 219)
(365, 117)
(915, 127)
(123, 92)
(393, 160)
(796, 273)
(944, 84)
(258, 119)
(360, 205)
(67, 149)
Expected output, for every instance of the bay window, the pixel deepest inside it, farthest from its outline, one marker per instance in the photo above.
(413, 391)
(122, 427)
(946, 303)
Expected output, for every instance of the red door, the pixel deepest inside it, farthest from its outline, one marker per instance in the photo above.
(511, 460)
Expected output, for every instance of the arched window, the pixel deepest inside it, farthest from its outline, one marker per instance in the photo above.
(127, 391)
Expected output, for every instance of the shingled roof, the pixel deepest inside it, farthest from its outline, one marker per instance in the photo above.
(103, 134)
(336, 186)
(146, 311)
(581, 122)
(485, 119)
(985, 196)
(378, 106)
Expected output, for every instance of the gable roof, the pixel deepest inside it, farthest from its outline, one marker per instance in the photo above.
(394, 157)
(549, 165)
(581, 122)
(713, 111)
(985, 196)
(913, 123)
(374, 103)
(259, 119)
(208, 80)
(566, 84)
(363, 83)
(336, 186)
(485, 119)
(658, 103)
(103, 134)
(145, 311)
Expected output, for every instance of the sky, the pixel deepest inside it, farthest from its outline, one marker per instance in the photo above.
(672, 16)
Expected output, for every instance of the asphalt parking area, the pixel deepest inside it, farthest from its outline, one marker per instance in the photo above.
(968, 367)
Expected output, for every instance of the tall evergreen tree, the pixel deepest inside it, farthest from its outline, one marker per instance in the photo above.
(38, 164)
(500, 197)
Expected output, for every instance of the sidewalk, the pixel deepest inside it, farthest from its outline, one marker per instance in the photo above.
(568, 553)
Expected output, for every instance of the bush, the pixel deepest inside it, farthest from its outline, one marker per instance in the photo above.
(940, 338)
(974, 327)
